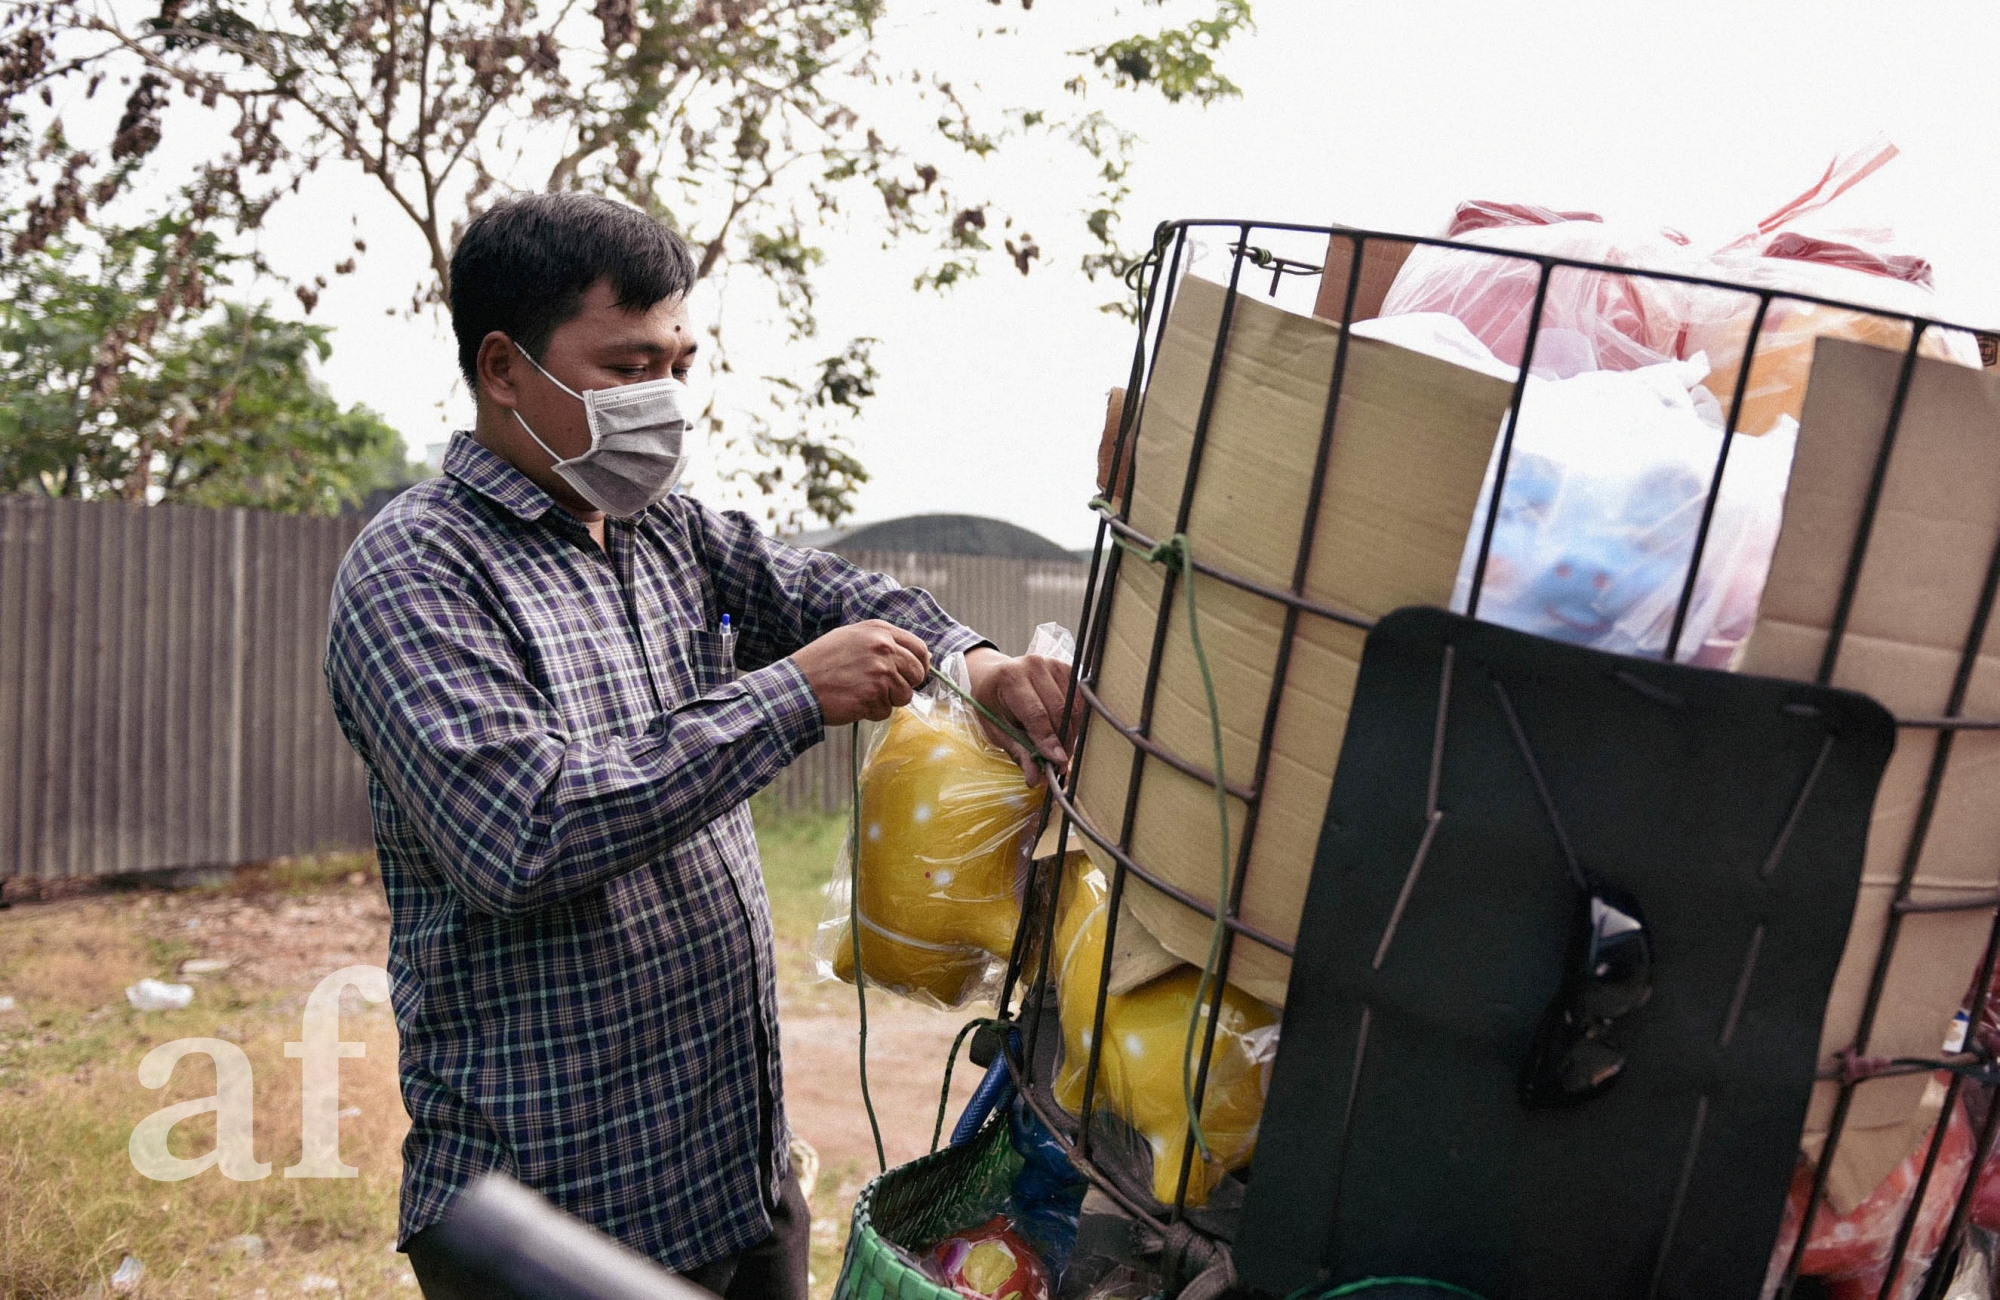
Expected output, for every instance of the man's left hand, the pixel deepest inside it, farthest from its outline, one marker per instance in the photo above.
(1029, 692)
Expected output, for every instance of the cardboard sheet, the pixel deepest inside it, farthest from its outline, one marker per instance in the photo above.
(1381, 259)
(1410, 447)
(1932, 540)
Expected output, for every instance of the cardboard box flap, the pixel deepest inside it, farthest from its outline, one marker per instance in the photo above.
(1932, 541)
(1412, 437)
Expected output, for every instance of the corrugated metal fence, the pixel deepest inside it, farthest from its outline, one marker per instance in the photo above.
(160, 694)
(161, 703)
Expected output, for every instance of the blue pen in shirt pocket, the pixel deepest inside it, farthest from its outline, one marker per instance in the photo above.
(711, 655)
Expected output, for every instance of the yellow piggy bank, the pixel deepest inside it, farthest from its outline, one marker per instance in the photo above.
(1145, 1040)
(944, 815)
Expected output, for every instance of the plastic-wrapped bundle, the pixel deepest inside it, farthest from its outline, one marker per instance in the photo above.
(1048, 1192)
(990, 1262)
(1591, 320)
(1825, 269)
(1603, 501)
(1862, 267)
(1145, 1045)
(1851, 1251)
(945, 821)
(1984, 1030)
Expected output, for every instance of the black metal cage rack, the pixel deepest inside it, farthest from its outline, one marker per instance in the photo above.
(1254, 251)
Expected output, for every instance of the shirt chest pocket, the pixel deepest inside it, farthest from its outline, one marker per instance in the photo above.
(708, 658)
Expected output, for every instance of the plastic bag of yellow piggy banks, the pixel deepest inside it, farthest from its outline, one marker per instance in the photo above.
(946, 824)
(1145, 1043)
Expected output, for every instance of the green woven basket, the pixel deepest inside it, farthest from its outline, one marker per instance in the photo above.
(915, 1205)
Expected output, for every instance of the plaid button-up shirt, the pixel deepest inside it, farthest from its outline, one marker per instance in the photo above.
(559, 747)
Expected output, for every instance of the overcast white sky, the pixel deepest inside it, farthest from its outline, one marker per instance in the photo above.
(1694, 115)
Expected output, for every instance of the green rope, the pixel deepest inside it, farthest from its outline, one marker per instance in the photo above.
(988, 714)
(1373, 1283)
(854, 932)
(951, 1059)
(1176, 553)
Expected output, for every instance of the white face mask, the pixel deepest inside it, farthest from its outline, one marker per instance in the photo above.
(638, 438)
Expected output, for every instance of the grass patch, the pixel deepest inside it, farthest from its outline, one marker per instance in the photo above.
(308, 875)
(799, 852)
(71, 1205)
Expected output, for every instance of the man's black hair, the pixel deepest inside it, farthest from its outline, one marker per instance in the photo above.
(522, 267)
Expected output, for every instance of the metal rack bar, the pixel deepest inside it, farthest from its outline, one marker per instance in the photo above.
(1301, 565)
(1917, 1194)
(1040, 894)
(1950, 724)
(1199, 444)
(1579, 264)
(1954, 1233)
(1507, 432)
(1977, 903)
(1934, 1283)
(1913, 853)
(1131, 866)
(1159, 751)
(1268, 592)
(1865, 527)
(1096, 620)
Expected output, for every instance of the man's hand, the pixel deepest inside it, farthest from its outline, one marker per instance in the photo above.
(863, 671)
(1029, 693)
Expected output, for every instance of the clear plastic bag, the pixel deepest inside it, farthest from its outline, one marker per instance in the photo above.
(1786, 251)
(1783, 364)
(990, 1262)
(1591, 320)
(1048, 1192)
(1851, 1251)
(1618, 440)
(1145, 1042)
(946, 823)
(1594, 320)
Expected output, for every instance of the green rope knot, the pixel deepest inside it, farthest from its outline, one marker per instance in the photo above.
(1174, 554)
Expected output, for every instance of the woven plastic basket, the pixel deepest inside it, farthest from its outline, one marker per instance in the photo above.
(915, 1205)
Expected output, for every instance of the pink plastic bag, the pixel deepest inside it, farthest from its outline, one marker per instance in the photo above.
(1591, 320)
(1484, 214)
(1862, 267)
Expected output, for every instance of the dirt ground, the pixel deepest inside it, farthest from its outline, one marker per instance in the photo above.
(71, 959)
(287, 943)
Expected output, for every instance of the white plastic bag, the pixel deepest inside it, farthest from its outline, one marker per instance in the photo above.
(1604, 497)
(154, 995)
(1603, 500)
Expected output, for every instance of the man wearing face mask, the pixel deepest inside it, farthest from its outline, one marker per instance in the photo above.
(565, 680)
